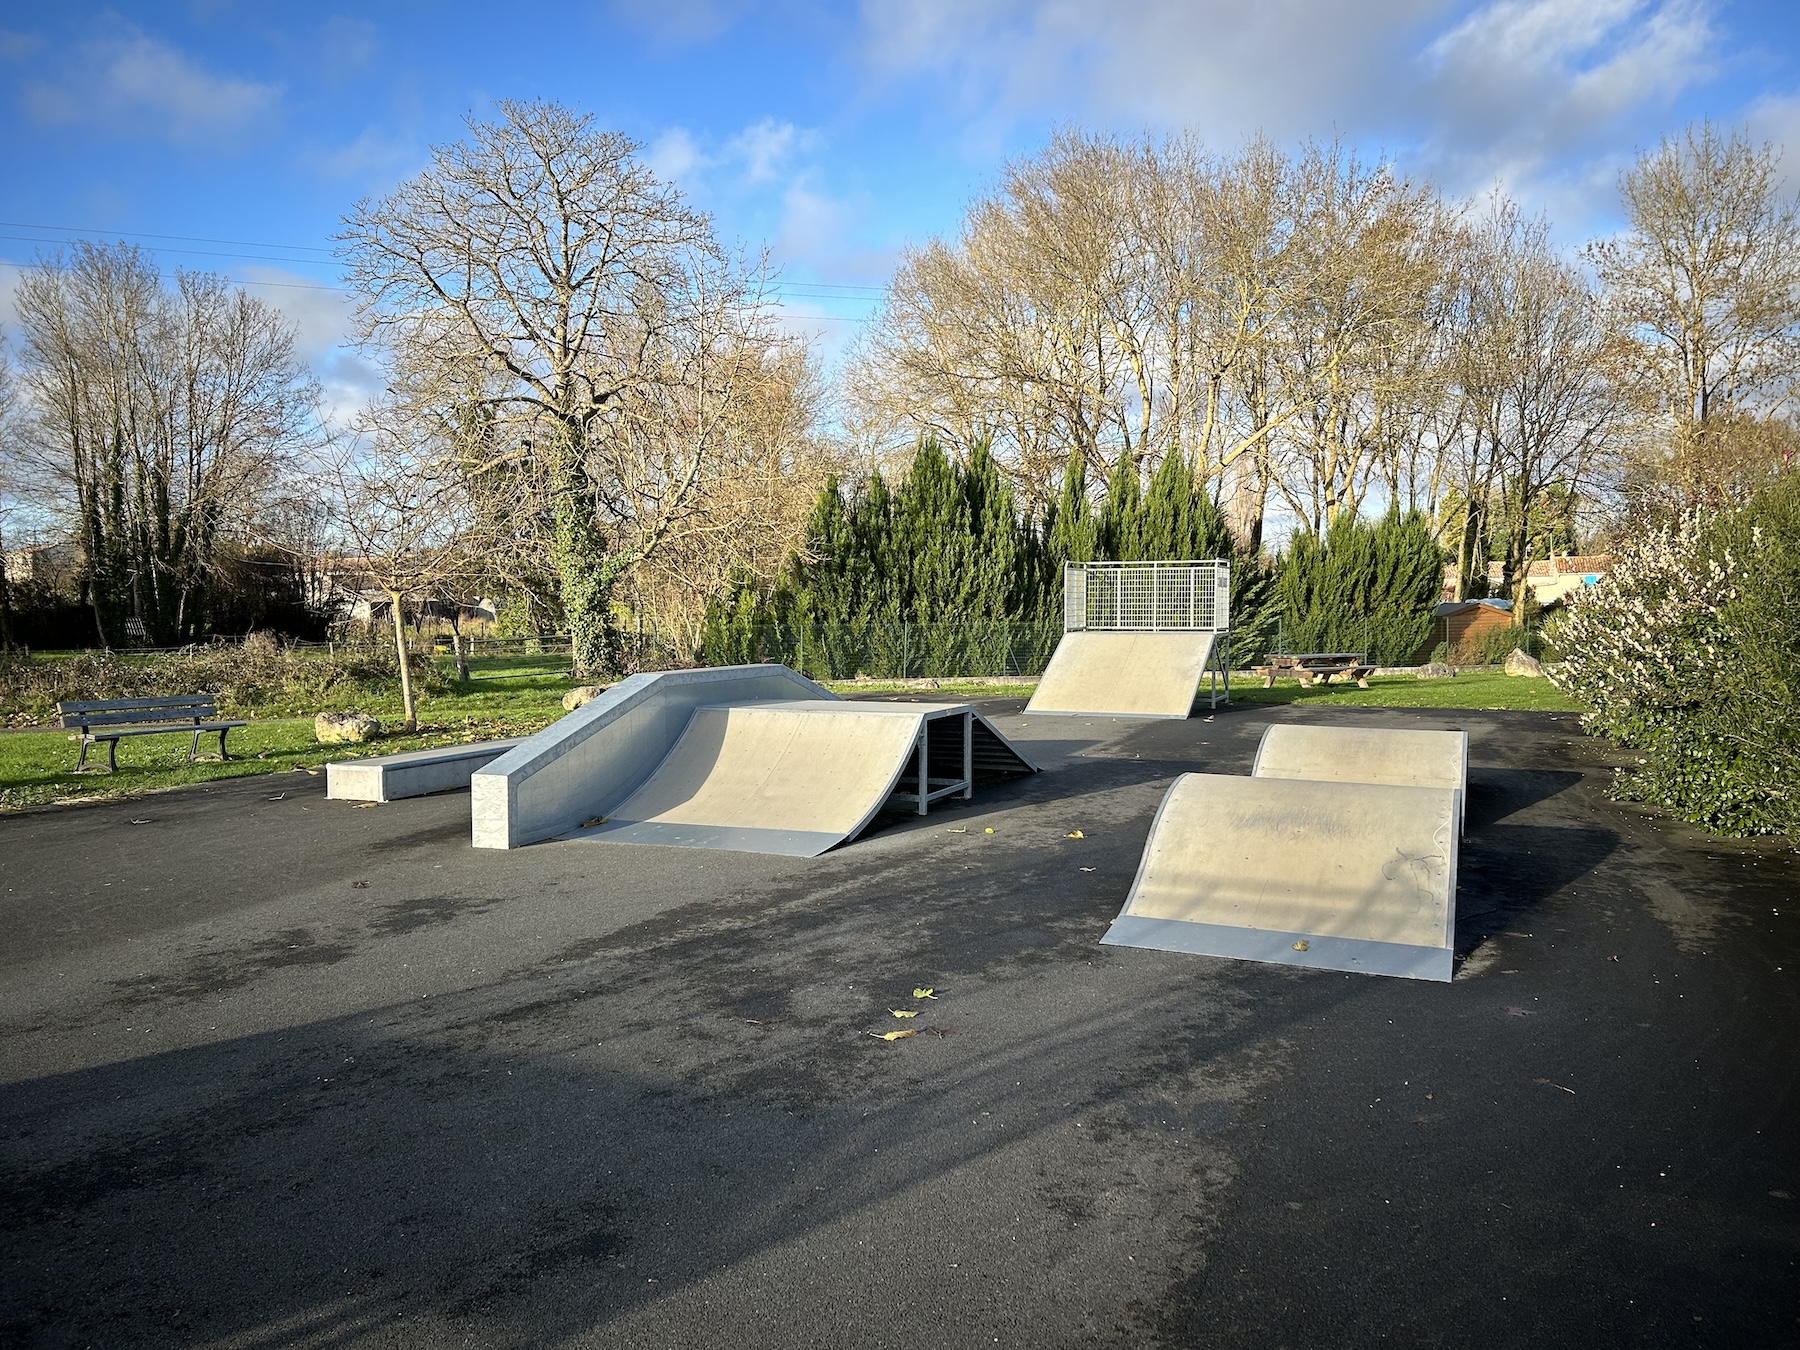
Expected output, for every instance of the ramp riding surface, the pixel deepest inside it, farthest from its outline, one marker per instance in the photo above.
(1401, 756)
(1125, 674)
(1335, 876)
(799, 777)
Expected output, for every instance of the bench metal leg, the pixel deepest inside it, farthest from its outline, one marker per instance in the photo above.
(968, 721)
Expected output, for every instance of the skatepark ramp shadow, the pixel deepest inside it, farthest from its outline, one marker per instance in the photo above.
(753, 758)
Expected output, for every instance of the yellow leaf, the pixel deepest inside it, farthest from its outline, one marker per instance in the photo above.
(364, 806)
(988, 830)
(1301, 945)
(904, 1012)
(923, 993)
(1074, 834)
(893, 1035)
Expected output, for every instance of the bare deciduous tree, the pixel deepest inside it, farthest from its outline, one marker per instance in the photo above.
(603, 336)
(1703, 294)
(159, 415)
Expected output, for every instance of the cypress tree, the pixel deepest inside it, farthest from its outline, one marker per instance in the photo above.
(1121, 516)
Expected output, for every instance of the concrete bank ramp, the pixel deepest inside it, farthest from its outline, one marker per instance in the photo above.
(755, 758)
(1338, 876)
(1125, 674)
(1402, 757)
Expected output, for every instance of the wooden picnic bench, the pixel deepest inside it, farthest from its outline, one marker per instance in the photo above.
(1321, 666)
(111, 720)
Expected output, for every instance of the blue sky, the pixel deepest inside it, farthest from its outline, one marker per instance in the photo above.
(835, 133)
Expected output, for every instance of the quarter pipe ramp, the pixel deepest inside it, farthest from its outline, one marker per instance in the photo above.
(755, 758)
(1336, 876)
(1127, 674)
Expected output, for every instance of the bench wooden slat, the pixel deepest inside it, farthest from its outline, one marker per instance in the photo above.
(118, 704)
(107, 735)
(140, 717)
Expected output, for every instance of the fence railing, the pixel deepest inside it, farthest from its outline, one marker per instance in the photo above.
(1147, 596)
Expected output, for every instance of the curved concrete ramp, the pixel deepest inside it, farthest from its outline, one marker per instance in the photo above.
(1338, 876)
(1403, 757)
(593, 758)
(1115, 674)
(798, 778)
(746, 757)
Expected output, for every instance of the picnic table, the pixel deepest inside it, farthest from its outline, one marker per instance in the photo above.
(1321, 666)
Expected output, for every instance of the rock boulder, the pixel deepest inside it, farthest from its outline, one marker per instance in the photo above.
(1437, 670)
(583, 693)
(338, 728)
(1521, 662)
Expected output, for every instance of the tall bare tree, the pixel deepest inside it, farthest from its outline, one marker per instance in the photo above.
(1703, 295)
(603, 334)
(159, 415)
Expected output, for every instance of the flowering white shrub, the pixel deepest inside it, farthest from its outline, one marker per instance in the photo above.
(1658, 654)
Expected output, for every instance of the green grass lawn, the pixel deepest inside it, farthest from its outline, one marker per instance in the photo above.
(517, 695)
(1483, 689)
(505, 696)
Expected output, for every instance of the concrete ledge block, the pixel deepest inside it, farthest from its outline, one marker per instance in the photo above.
(416, 773)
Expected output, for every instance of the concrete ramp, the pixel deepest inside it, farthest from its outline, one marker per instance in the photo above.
(799, 777)
(1402, 757)
(1336, 876)
(1126, 674)
(746, 757)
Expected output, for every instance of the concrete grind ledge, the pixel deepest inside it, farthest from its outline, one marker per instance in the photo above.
(416, 773)
(581, 764)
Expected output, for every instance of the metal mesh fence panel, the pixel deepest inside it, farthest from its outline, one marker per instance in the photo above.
(1147, 596)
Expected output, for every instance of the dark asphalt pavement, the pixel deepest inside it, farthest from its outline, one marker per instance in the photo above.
(277, 1071)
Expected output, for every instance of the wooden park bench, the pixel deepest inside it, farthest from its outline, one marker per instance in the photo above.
(111, 720)
(1321, 666)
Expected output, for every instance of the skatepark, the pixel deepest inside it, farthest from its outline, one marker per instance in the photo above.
(615, 1094)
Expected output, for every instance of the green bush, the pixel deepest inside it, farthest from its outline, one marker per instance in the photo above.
(1689, 654)
(1365, 587)
(256, 676)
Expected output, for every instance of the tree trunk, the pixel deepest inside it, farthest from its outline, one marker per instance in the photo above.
(406, 690)
(587, 580)
(456, 645)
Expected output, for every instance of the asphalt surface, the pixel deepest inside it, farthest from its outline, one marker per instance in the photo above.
(277, 1071)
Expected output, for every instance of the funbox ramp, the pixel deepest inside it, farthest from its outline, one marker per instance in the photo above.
(1402, 757)
(1335, 876)
(1114, 674)
(754, 758)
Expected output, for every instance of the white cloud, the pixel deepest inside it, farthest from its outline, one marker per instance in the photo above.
(127, 83)
(674, 155)
(1290, 67)
(764, 150)
(1520, 83)
(374, 152)
(321, 319)
(1776, 118)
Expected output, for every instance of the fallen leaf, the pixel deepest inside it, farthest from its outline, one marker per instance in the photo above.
(277, 797)
(988, 830)
(141, 822)
(364, 806)
(1084, 869)
(904, 1012)
(960, 829)
(923, 993)
(1301, 945)
(589, 824)
(359, 885)
(1074, 834)
(893, 1035)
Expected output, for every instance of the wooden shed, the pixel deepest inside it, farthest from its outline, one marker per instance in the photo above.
(1463, 623)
